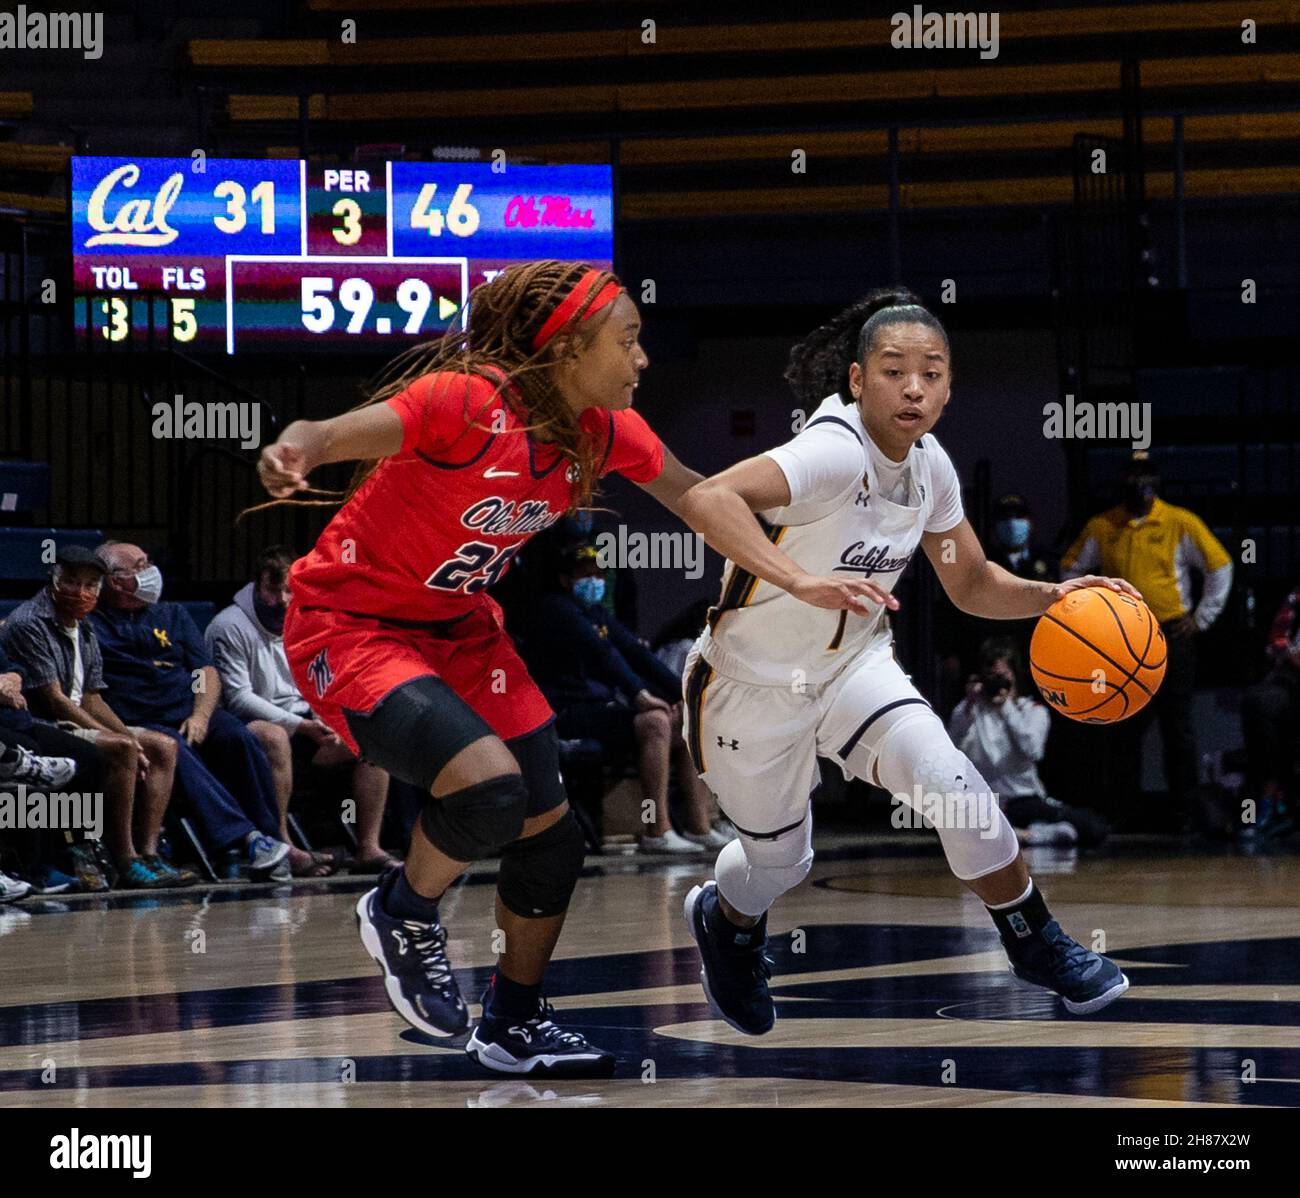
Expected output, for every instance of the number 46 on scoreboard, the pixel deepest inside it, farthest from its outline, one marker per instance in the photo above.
(462, 217)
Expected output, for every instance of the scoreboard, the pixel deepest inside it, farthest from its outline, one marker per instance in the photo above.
(247, 255)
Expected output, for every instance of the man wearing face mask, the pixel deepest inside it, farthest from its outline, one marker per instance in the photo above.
(160, 676)
(50, 638)
(247, 647)
(604, 683)
(1158, 548)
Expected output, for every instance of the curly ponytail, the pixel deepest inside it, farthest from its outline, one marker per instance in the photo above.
(819, 364)
(505, 316)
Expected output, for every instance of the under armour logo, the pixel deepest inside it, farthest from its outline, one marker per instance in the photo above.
(401, 942)
(523, 1033)
(161, 634)
(320, 673)
(733, 744)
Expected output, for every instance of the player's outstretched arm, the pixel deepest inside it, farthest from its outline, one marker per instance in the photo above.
(721, 509)
(364, 434)
(982, 588)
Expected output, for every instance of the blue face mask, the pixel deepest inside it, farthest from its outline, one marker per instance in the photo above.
(589, 590)
(1013, 532)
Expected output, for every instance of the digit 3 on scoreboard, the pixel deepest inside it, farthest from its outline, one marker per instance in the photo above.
(347, 212)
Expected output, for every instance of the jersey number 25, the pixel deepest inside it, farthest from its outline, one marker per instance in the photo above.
(474, 567)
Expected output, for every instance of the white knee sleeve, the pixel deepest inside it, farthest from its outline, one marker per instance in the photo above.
(753, 874)
(921, 767)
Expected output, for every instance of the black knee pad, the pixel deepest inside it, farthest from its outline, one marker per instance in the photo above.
(416, 729)
(478, 821)
(538, 754)
(538, 874)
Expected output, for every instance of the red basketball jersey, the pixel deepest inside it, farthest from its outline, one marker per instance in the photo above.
(438, 522)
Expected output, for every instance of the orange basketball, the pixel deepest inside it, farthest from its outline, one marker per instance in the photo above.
(1098, 655)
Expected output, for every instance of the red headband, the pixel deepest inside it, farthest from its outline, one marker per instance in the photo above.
(572, 302)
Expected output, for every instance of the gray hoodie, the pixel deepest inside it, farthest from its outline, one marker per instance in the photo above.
(255, 679)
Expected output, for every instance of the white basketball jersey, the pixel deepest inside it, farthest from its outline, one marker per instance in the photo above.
(853, 513)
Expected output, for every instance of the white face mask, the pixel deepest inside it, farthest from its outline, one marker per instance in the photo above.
(149, 584)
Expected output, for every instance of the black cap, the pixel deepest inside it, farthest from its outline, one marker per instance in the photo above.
(1011, 505)
(79, 555)
(579, 553)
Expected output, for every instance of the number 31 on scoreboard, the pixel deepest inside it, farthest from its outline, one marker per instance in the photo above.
(462, 217)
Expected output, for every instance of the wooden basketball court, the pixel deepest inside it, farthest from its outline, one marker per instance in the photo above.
(891, 990)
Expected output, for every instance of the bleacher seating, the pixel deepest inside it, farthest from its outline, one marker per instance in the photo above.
(1066, 65)
(34, 159)
(16, 201)
(24, 487)
(23, 555)
(702, 96)
(15, 106)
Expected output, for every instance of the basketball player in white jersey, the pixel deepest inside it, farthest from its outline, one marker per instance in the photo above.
(772, 682)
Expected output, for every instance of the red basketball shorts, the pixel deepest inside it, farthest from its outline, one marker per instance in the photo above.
(345, 662)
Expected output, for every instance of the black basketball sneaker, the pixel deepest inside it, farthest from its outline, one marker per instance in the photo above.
(736, 967)
(417, 974)
(535, 1045)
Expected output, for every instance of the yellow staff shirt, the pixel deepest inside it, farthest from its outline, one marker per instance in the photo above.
(1157, 554)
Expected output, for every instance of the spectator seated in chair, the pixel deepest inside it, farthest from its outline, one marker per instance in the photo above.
(605, 684)
(56, 651)
(247, 647)
(160, 676)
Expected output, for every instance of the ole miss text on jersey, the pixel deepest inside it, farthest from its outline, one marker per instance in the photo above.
(441, 520)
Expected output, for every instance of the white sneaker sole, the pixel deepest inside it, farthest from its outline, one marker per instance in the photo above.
(494, 1057)
(1078, 1008)
(392, 986)
(692, 901)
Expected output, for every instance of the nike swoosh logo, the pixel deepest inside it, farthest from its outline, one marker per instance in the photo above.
(493, 472)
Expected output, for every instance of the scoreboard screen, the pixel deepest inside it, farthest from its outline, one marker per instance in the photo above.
(247, 255)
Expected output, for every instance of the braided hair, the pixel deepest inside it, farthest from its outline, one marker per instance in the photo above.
(819, 364)
(505, 315)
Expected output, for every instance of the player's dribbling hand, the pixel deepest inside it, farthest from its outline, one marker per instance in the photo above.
(839, 594)
(1095, 580)
(282, 469)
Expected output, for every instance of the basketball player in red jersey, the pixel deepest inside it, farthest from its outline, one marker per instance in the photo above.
(477, 441)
